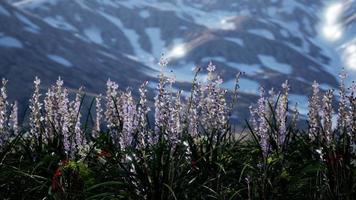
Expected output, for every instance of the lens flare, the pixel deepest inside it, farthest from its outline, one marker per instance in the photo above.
(331, 29)
(178, 51)
(350, 56)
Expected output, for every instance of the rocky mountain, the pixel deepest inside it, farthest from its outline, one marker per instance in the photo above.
(88, 41)
(29, 47)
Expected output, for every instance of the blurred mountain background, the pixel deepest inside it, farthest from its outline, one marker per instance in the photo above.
(88, 41)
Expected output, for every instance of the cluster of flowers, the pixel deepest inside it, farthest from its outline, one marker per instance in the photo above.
(8, 116)
(326, 124)
(174, 115)
(205, 109)
(56, 116)
(262, 116)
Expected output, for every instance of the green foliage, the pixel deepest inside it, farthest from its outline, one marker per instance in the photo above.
(221, 167)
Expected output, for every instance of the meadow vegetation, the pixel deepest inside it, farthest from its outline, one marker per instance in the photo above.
(187, 150)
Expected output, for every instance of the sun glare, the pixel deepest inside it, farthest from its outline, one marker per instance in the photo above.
(331, 28)
(178, 51)
(332, 32)
(350, 56)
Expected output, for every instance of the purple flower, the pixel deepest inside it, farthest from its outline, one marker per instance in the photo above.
(343, 118)
(282, 113)
(262, 123)
(13, 121)
(327, 116)
(35, 110)
(4, 134)
(313, 112)
(129, 120)
(98, 116)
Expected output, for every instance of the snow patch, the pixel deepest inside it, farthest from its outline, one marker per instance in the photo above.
(10, 42)
(33, 4)
(272, 63)
(31, 26)
(109, 55)
(60, 60)
(144, 13)
(238, 41)
(141, 55)
(60, 23)
(157, 43)
(263, 33)
(94, 34)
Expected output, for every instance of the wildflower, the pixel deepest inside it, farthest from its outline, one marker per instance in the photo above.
(35, 110)
(13, 121)
(98, 115)
(4, 135)
(213, 105)
(259, 122)
(49, 115)
(211, 68)
(142, 111)
(63, 122)
(282, 113)
(129, 120)
(342, 112)
(175, 120)
(193, 111)
(60, 103)
(327, 115)
(313, 113)
(3, 106)
(75, 116)
(56, 183)
(111, 103)
(112, 109)
(352, 110)
(162, 102)
(262, 123)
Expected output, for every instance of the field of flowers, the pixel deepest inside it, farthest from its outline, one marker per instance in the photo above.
(188, 149)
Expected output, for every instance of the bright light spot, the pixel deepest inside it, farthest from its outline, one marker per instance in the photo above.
(177, 52)
(333, 12)
(351, 49)
(350, 56)
(332, 32)
(331, 28)
(225, 24)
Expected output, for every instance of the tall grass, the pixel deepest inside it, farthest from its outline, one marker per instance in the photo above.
(189, 151)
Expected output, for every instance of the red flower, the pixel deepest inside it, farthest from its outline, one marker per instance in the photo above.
(64, 162)
(103, 153)
(57, 173)
(55, 180)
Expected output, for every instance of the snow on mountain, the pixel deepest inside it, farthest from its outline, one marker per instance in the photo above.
(29, 47)
(270, 40)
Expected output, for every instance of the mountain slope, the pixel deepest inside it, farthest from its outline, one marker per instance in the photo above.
(30, 47)
(271, 40)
